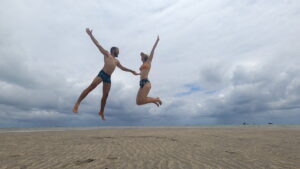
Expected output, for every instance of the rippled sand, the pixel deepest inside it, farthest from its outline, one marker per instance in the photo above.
(151, 148)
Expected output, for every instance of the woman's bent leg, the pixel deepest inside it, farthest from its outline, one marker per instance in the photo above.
(147, 100)
(142, 96)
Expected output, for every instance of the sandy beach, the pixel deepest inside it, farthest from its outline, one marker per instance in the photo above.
(153, 148)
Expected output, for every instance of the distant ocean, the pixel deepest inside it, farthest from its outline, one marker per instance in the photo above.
(42, 129)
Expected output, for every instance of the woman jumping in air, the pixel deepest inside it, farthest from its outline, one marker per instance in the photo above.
(145, 85)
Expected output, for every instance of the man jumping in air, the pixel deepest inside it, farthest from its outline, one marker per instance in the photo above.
(110, 63)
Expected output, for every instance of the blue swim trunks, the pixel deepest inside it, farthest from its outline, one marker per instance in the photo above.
(104, 76)
(143, 82)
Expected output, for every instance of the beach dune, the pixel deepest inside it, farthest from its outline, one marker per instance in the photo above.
(153, 148)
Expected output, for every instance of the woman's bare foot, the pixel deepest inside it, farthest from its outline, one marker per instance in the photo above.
(159, 101)
(75, 108)
(156, 104)
(102, 115)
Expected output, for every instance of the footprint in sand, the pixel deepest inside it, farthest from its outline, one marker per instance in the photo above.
(112, 158)
(80, 162)
(23, 167)
(230, 152)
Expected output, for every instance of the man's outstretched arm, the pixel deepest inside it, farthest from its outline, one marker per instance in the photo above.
(102, 50)
(126, 69)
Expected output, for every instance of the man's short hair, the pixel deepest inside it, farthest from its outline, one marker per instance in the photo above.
(113, 49)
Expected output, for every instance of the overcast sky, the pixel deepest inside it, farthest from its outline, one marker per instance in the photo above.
(218, 62)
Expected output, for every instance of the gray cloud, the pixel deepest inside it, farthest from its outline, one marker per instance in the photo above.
(255, 93)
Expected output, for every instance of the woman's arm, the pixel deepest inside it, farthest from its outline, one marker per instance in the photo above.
(102, 50)
(153, 49)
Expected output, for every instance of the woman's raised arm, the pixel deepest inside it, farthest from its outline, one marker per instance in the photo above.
(153, 49)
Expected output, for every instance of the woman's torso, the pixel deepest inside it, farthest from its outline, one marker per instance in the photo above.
(145, 69)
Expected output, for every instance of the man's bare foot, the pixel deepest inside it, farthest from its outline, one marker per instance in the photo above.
(159, 101)
(102, 115)
(75, 108)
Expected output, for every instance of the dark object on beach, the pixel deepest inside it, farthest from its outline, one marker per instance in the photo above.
(244, 123)
(270, 123)
(80, 162)
(230, 152)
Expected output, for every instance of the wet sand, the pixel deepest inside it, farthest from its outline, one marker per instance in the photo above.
(152, 148)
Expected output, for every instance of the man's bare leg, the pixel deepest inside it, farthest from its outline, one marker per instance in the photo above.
(97, 80)
(106, 88)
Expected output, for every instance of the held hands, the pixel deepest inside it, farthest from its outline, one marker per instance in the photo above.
(135, 73)
(89, 31)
